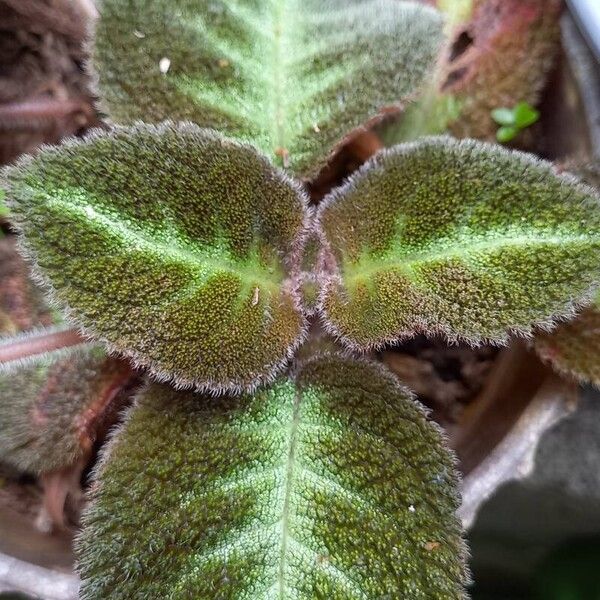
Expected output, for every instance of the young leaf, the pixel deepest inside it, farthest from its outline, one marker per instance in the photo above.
(460, 238)
(525, 115)
(171, 244)
(506, 134)
(504, 116)
(293, 78)
(329, 486)
(52, 406)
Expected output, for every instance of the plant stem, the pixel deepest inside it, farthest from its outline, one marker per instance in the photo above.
(39, 113)
(38, 342)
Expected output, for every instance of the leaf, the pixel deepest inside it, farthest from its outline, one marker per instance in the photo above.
(293, 78)
(506, 134)
(22, 305)
(52, 407)
(503, 116)
(573, 348)
(3, 208)
(525, 115)
(457, 238)
(330, 486)
(171, 244)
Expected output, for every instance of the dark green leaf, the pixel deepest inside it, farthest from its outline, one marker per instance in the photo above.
(457, 238)
(173, 245)
(331, 486)
(293, 78)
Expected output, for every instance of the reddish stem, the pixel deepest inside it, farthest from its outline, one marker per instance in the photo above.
(19, 114)
(40, 343)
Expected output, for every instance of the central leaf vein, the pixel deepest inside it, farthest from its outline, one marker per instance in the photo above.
(289, 482)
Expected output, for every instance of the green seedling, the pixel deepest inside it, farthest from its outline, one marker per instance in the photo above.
(513, 120)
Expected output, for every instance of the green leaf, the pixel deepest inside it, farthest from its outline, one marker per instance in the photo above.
(504, 116)
(52, 406)
(330, 486)
(506, 134)
(171, 244)
(525, 115)
(22, 305)
(573, 348)
(457, 238)
(294, 78)
(3, 208)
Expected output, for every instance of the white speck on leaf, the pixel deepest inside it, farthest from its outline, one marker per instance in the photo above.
(164, 64)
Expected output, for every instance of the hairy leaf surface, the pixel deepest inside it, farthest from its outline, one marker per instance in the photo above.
(459, 238)
(22, 305)
(170, 243)
(293, 77)
(573, 348)
(332, 486)
(52, 406)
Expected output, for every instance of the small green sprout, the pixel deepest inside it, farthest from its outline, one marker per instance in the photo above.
(513, 120)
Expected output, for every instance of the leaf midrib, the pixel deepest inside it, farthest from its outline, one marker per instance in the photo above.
(365, 269)
(149, 244)
(289, 477)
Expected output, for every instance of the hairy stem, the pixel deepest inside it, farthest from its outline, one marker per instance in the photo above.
(34, 114)
(38, 342)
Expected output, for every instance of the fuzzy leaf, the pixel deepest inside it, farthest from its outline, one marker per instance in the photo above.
(22, 305)
(170, 243)
(52, 406)
(331, 486)
(293, 78)
(460, 238)
(573, 348)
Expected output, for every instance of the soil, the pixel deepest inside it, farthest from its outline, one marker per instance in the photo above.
(445, 378)
(44, 91)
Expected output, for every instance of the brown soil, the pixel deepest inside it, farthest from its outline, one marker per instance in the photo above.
(445, 378)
